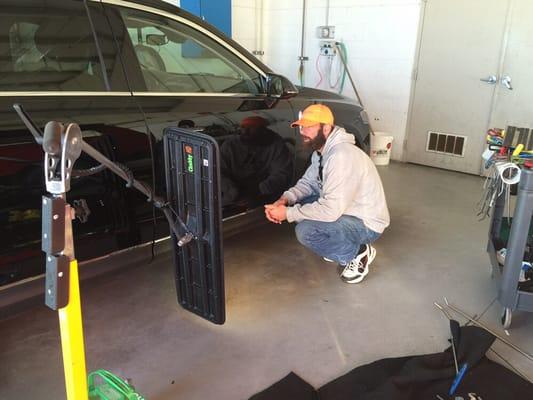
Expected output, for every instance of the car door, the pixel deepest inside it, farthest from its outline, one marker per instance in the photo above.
(52, 66)
(195, 79)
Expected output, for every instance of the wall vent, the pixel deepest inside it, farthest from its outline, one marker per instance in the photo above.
(446, 143)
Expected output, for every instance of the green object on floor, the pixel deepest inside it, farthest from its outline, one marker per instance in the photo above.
(103, 385)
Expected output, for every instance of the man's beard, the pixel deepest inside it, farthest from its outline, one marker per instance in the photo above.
(318, 141)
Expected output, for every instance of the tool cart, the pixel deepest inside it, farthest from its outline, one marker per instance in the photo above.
(511, 294)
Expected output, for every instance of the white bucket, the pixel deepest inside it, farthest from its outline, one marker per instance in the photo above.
(380, 148)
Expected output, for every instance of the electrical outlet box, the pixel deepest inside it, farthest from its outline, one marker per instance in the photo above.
(327, 48)
(325, 32)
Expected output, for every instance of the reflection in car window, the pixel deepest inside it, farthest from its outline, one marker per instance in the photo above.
(177, 58)
(48, 45)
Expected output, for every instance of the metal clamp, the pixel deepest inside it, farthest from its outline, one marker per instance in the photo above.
(62, 148)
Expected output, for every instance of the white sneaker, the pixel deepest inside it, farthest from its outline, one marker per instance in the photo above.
(328, 260)
(356, 270)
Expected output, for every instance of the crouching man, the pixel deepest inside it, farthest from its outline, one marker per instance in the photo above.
(339, 204)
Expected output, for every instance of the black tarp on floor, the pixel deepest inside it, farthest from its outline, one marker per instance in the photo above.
(416, 377)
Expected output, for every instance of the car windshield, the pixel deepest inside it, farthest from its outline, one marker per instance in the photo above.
(176, 58)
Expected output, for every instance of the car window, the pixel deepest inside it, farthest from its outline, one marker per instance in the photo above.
(49, 45)
(177, 58)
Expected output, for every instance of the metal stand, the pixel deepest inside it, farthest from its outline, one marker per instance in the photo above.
(62, 293)
(509, 296)
(62, 147)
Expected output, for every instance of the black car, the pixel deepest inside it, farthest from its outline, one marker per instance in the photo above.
(125, 71)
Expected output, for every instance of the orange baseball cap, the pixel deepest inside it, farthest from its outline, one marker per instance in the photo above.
(314, 114)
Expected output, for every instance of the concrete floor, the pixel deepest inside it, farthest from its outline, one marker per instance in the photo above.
(287, 310)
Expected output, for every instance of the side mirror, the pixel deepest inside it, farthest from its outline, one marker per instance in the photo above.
(280, 87)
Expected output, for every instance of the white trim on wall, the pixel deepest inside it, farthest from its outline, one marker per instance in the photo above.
(413, 81)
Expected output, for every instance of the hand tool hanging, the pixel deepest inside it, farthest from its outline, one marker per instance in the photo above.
(503, 161)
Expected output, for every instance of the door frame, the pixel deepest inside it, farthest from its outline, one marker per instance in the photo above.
(502, 50)
(414, 80)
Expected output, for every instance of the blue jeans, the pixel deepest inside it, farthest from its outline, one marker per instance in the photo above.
(339, 240)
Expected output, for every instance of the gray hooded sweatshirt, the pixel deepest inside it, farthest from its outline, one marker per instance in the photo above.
(350, 186)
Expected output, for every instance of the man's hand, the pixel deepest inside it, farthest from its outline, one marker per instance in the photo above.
(282, 201)
(276, 213)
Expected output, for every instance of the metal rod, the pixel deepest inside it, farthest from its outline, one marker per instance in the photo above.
(184, 238)
(479, 324)
(34, 130)
(345, 64)
(518, 371)
(107, 163)
(302, 43)
(302, 48)
(455, 356)
(113, 167)
(447, 314)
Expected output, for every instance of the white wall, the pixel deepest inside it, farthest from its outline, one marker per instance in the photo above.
(246, 23)
(380, 36)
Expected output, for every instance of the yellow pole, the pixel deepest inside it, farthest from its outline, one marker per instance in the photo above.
(71, 327)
